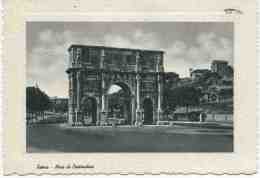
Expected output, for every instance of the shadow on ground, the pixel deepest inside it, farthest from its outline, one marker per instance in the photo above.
(55, 138)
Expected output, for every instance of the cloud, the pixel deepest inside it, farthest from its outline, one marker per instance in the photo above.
(181, 56)
(47, 62)
(215, 47)
(48, 59)
(138, 39)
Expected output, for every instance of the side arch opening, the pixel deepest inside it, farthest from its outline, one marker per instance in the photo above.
(89, 111)
(148, 111)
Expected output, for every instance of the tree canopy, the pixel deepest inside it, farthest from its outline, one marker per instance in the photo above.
(208, 79)
(36, 100)
(181, 96)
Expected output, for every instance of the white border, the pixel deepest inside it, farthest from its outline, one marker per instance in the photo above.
(240, 161)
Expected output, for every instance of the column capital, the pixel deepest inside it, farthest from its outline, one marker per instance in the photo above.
(137, 54)
(137, 57)
(102, 58)
(102, 53)
(78, 75)
(138, 76)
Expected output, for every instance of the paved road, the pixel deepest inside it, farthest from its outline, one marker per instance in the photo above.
(57, 138)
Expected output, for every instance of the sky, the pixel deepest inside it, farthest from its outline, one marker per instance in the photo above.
(186, 45)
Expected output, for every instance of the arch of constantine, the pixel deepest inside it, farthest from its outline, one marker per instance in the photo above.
(94, 69)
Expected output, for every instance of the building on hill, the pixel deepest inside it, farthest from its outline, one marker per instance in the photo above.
(222, 68)
(219, 66)
(216, 85)
(220, 89)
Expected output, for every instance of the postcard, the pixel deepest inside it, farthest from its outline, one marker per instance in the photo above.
(129, 88)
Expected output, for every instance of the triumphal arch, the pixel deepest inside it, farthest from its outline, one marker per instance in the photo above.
(94, 69)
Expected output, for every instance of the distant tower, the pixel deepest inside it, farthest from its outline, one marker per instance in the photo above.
(219, 66)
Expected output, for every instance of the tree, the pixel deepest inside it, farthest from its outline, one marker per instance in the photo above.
(208, 79)
(61, 106)
(181, 96)
(36, 100)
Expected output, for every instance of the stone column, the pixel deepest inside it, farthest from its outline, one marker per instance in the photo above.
(74, 95)
(138, 118)
(70, 104)
(138, 91)
(78, 113)
(103, 94)
(159, 109)
(132, 110)
(103, 111)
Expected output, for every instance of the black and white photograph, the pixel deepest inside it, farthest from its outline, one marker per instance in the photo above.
(129, 86)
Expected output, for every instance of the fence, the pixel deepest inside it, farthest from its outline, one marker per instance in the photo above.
(219, 117)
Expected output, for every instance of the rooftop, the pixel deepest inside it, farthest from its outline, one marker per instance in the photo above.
(219, 61)
(110, 47)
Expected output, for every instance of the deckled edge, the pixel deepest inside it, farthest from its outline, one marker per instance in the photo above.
(3, 109)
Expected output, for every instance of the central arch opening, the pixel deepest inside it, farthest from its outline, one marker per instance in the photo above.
(119, 103)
